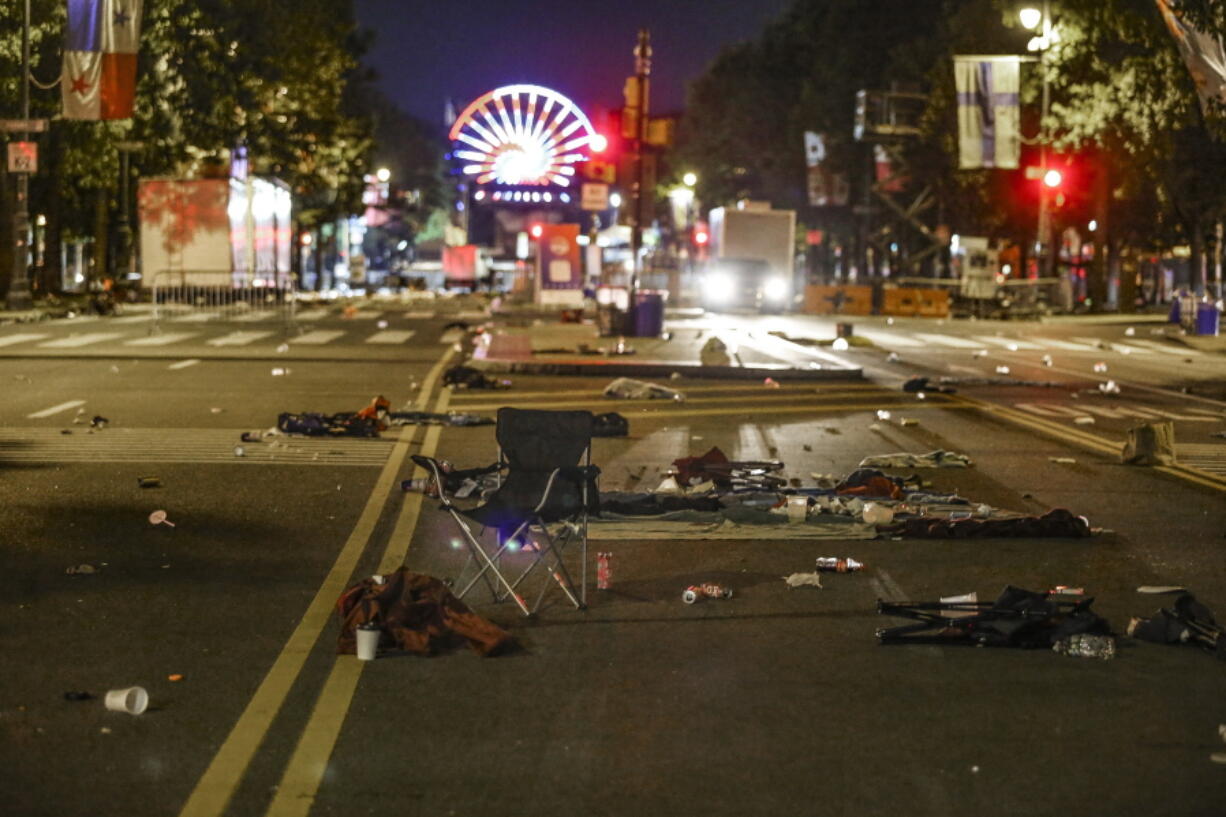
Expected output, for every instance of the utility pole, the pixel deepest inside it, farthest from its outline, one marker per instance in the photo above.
(642, 74)
(19, 286)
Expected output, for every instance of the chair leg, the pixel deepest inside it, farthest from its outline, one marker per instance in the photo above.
(488, 563)
(558, 571)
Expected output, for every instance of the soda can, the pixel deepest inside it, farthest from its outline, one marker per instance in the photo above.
(604, 572)
(705, 591)
(149, 482)
(834, 564)
(424, 485)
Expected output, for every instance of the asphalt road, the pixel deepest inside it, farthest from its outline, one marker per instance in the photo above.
(776, 701)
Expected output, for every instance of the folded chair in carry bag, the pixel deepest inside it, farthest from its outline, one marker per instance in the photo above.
(546, 492)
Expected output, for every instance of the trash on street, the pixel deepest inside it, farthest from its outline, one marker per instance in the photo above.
(625, 388)
(1150, 444)
(933, 459)
(705, 591)
(466, 377)
(835, 564)
(1185, 621)
(159, 518)
(714, 353)
(804, 580)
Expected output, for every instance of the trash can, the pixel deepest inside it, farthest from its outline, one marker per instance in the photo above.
(1207, 318)
(648, 313)
(610, 320)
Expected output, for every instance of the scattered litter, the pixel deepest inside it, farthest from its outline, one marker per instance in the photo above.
(239, 451)
(922, 384)
(770, 383)
(149, 482)
(1063, 460)
(882, 414)
(114, 370)
(1086, 645)
(889, 321)
(625, 388)
(933, 459)
(979, 353)
(1100, 367)
(875, 513)
(1084, 421)
(1185, 621)
(806, 447)
(1110, 387)
(839, 345)
(804, 580)
(279, 372)
(610, 424)
(381, 324)
(1012, 347)
(133, 700)
(705, 591)
(81, 570)
(1130, 331)
(1047, 361)
(1157, 589)
(834, 564)
(106, 730)
(921, 396)
(98, 422)
(283, 348)
(675, 376)
(892, 357)
(874, 427)
(65, 430)
(1150, 444)
(668, 486)
(908, 421)
(604, 570)
(1002, 369)
(714, 353)
(466, 377)
(159, 518)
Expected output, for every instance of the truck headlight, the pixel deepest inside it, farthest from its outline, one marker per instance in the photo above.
(721, 287)
(775, 289)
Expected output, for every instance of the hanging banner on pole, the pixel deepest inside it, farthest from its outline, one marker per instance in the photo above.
(989, 134)
(98, 78)
(1202, 53)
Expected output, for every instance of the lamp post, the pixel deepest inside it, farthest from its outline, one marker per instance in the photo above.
(127, 259)
(19, 285)
(1040, 20)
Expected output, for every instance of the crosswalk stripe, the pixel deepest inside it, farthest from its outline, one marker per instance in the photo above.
(889, 339)
(318, 337)
(949, 340)
(391, 336)
(451, 336)
(193, 317)
(75, 341)
(47, 412)
(147, 316)
(365, 315)
(313, 314)
(183, 364)
(1008, 343)
(161, 340)
(1165, 348)
(421, 316)
(1205, 456)
(238, 338)
(1068, 346)
(1113, 346)
(23, 337)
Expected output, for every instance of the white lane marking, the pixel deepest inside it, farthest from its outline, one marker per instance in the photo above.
(364, 315)
(1165, 348)
(1112, 346)
(47, 412)
(1068, 345)
(391, 336)
(1008, 343)
(451, 336)
(319, 336)
(240, 338)
(183, 364)
(9, 340)
(73, 341)
(161, 340)
(148, 316)
(888, 339)
(313, 314)
(949, 340)
(195, 317)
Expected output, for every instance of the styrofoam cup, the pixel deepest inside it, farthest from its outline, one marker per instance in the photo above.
(798, 508)
(132, 700)
(368, 643)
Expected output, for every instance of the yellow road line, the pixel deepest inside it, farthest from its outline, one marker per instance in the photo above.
(754, 411)
(302, 777)
(213, 791)
(463, 396)
(770, 397)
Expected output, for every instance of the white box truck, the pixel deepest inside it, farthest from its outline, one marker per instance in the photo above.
(752, 258)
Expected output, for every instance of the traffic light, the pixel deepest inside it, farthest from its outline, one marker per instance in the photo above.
(536, 230)
(701, 237)
(1053, 178)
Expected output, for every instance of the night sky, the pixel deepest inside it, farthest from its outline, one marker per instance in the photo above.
(425, 52)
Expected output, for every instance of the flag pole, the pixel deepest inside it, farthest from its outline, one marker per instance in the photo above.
(19, 284)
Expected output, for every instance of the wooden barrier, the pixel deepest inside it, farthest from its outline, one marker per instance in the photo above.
(821, 299)
(905, 302)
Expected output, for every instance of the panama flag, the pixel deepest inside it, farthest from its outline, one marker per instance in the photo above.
(98, 80)
(989, 134)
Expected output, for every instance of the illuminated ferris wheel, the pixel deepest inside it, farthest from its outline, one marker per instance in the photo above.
(524, 135)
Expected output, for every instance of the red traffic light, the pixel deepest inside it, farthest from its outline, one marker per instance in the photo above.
(701, 237)
(536, 230)
(1053, 178)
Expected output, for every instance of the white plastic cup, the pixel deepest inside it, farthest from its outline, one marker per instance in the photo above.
(798, 508)
(132, 700)
(368, 643)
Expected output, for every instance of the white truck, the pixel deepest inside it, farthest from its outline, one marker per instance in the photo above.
(752, 254)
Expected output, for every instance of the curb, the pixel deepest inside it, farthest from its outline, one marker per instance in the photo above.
(663, 370)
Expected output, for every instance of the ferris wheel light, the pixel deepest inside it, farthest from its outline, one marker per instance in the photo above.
(524, 135)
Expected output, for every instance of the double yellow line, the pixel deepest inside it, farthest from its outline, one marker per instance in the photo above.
(300, 781)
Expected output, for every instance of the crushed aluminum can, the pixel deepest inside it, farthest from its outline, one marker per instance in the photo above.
(149, 482)
(705, 591)
(604, 572)
(833, 564)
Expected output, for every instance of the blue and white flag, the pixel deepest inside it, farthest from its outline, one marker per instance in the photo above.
(988, 130)
(1202, 52)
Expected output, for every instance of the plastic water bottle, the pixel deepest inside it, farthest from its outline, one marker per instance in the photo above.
(833, 564)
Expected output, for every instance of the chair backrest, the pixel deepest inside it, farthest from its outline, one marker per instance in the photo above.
(533, 440)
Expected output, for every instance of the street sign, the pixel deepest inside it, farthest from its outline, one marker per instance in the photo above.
(23, 125)
(594, 196)
(23, 157)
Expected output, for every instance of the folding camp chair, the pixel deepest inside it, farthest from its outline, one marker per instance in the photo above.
(549, 482)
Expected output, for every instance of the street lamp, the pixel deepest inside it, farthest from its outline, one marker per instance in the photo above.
(690, 179)
(1040, 19)
(383, 174)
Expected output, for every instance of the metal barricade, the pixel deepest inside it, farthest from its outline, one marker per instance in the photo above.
(225, 296)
